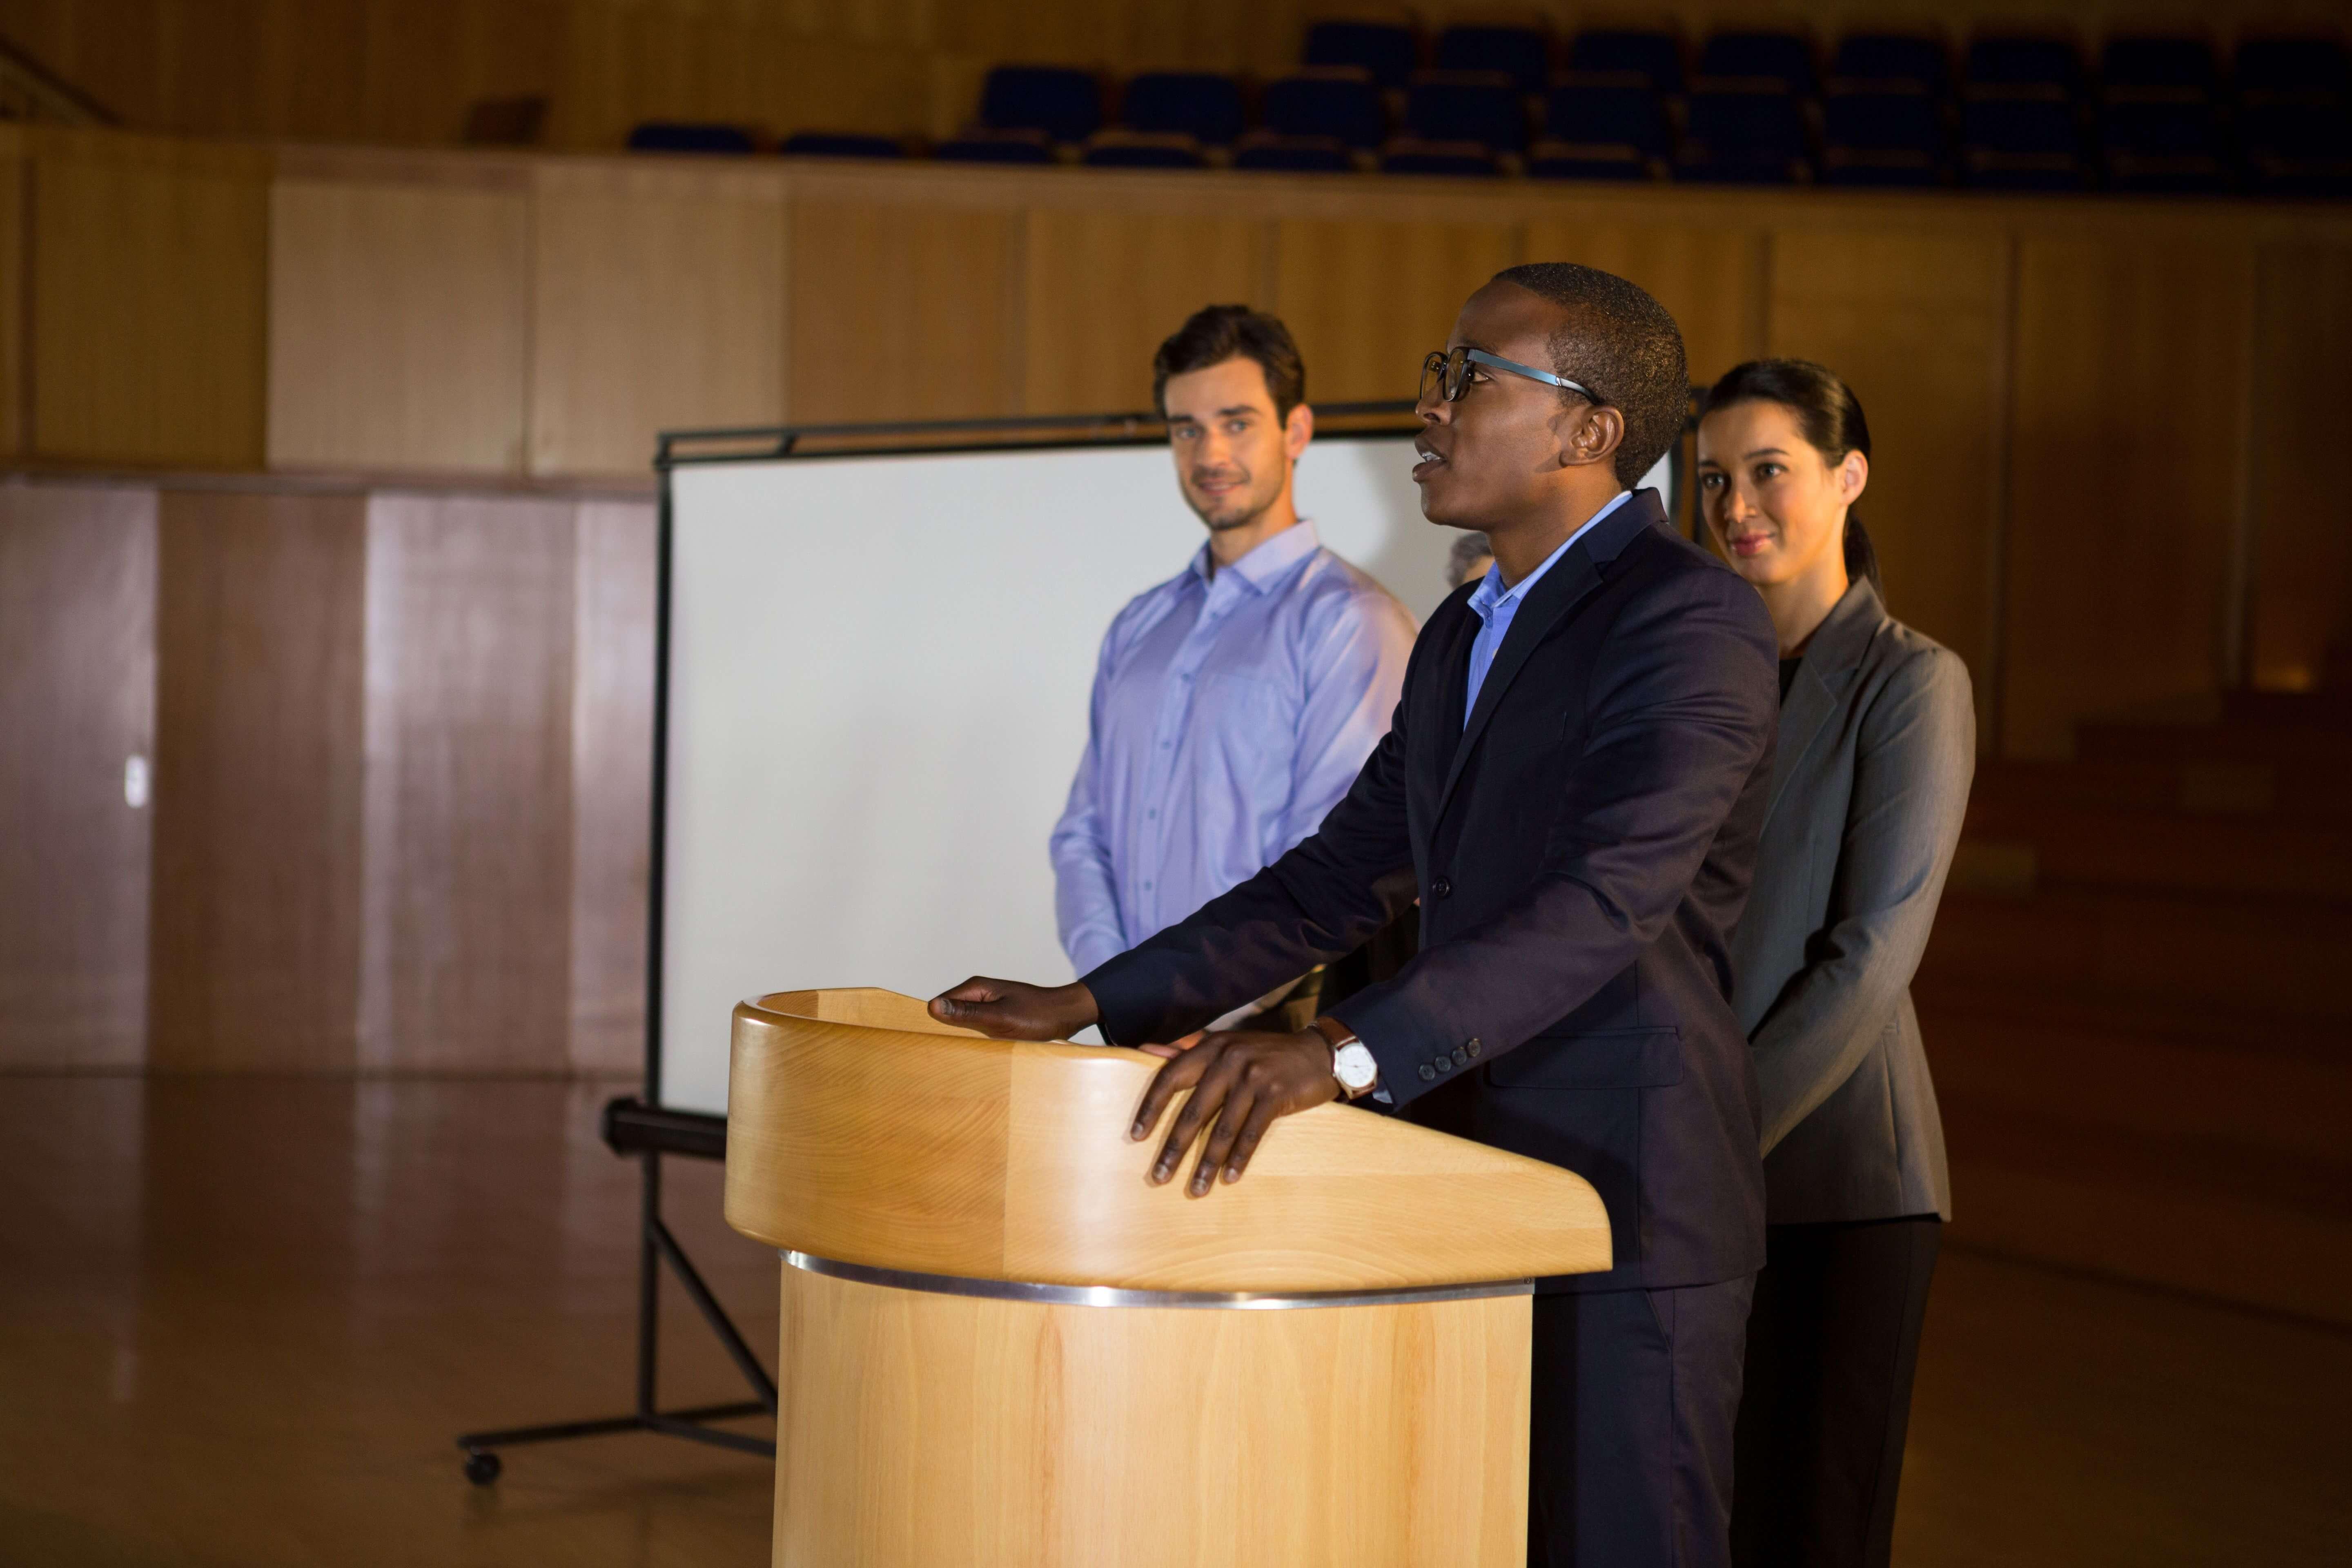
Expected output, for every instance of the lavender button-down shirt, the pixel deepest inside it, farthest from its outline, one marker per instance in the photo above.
(1230, 714)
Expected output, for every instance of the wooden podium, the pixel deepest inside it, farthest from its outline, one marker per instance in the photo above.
(1002, 1345)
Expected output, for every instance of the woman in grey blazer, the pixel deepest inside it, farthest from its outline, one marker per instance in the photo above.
(1869, 780)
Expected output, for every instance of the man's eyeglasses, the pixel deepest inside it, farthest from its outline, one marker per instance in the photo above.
(1450, 373)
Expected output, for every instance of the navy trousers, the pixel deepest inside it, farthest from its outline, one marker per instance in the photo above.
(1635, 1393)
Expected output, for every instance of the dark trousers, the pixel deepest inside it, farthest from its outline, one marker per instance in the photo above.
(1629, 1462)
(1832, 1346)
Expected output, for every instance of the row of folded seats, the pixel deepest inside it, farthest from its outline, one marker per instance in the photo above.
(2017, 113)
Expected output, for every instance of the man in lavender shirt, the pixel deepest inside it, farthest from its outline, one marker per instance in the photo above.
(1236, 702)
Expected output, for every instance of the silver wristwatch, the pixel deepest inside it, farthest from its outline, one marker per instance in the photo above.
(1352, 1062)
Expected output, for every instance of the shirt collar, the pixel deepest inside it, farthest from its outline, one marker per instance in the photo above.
(1262, 567)
(1491, 593)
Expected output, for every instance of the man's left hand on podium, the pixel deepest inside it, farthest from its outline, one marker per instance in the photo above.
(1240, 1082)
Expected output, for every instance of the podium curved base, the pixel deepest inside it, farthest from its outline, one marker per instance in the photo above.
(920, 1428)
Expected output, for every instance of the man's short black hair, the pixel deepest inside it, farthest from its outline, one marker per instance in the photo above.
(1622, 345)
(1216, 334)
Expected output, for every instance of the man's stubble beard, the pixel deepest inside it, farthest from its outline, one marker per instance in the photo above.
(1223, 522)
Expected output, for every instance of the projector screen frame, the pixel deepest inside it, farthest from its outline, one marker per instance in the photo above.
(814, 443)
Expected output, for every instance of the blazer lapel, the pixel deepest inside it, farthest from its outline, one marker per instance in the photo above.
(1831, 659)
(1548, 604)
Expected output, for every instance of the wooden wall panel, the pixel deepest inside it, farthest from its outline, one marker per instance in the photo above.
(904, 312)
(1367, 299)
(399, 320)
(1917, 325)
(1709, 277)
(611, 781)
(77, 704)
(1090, 346)
(149, 311)
(2127, 477)
(2303, 546)
(466, 961)
(658, 303)
(255, 933)
(15, 184)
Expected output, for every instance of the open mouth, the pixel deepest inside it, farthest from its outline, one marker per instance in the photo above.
(1431, 461)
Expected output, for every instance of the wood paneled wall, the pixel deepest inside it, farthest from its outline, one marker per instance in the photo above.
(403, 71)
(400, 747)
(2102, 426)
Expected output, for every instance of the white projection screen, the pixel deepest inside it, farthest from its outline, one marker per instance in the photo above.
(876, 691)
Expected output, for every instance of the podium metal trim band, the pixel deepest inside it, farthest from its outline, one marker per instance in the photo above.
(1109, 1296)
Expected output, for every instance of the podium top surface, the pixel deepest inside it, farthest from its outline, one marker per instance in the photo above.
(863, 1130)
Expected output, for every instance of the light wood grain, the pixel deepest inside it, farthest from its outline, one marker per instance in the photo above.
(883, 1139)
(658, 304)
(149, 315)
(1917, 325)
(467, 882)
(77, 703)
(1366, 299)
(903, 312)
(2127, 477)
(398, 323)
(921, 1429)
(254, 945)
(1089, 348)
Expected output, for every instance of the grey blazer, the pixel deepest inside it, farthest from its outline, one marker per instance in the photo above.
(1877, 749)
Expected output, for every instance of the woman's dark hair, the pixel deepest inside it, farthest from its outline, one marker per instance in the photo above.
(1828, 412)
(1216, 334)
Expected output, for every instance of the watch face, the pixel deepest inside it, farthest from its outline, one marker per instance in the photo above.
(1354, 1065)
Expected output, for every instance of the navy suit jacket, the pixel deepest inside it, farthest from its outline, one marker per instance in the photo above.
(1582, 848)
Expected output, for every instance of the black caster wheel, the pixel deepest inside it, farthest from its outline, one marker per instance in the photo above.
(482, 1467)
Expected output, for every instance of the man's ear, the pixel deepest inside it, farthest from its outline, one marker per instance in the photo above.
(1591, 433)
(1297, 430)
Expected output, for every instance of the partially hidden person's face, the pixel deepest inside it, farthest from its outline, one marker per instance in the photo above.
(1775, 504)
(1233, 453)
(1499, 451)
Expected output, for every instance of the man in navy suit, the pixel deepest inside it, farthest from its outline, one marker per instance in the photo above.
(1575, 776)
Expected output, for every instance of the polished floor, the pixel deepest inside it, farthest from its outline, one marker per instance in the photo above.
(241, 1319)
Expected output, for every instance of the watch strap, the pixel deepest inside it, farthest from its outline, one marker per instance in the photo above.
(1337, 1035)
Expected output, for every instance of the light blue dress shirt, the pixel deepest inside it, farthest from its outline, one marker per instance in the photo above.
(1496, 605)
(1230, 713)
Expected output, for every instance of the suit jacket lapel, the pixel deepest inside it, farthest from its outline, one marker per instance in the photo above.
(1831, 659)
(1563, 587)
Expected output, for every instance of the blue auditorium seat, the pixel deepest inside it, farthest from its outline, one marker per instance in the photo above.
(1735, 136)
(2024, 62)
(2185, 65)
(1890, 133)
(2317, 67)
(2022, 143)
(1523, 54)
(1783, 58)
(1265, 150)
(1482, 107)
(1389, 53)
(1604, 114)
(1339, 101)
(1143, 150)
(689, 136)
(1412, 155)
(1199, 104)
(1064, 102)
(2297, 146)
(1655, 56)
(996, 147)
(2160, 145)
(1550, 160)
(1891, 57)
(840, 144)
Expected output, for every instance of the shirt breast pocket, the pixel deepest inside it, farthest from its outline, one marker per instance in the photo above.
(1243, 719)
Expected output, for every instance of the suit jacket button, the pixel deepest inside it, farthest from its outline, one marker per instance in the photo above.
(1443, 1064)
(1441, 888)
(1461, 1055)
(1427, 1072)
(1473, 1048)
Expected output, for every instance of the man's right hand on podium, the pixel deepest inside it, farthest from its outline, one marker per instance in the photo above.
(1009, 1010)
